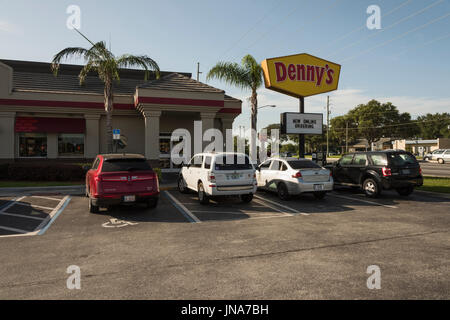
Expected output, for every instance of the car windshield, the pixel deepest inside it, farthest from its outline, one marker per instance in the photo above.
(402, 159)
(113, 165)
(233, 162)
(303, 164)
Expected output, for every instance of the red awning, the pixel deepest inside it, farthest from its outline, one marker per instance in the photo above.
(50, 125)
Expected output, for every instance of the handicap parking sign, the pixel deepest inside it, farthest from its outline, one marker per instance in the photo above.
(116, 134)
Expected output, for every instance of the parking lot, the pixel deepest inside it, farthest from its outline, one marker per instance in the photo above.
(266, 249)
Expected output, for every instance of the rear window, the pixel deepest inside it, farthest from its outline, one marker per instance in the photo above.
(379, 159)
(401, 159)
(302, 164)
(113, 165)
(232, 162)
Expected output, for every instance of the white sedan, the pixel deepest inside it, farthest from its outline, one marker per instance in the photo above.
(292, 176)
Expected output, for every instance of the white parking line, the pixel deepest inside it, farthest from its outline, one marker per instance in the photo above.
(185, 211)
(49, 218)
(364, 201)
(294, 211)
(12, 229)
(13, 202)
(20, 216)
(47, 198)
(33, 206)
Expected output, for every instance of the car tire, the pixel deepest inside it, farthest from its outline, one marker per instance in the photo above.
(441, 161)
(371, 188)
(246, 198)
(152, 203)
(202, 196)
(93, 208)
(319, 195)
(405, 191)
(283, 192)
(182, 188)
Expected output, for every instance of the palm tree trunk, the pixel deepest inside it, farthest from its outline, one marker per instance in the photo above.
(254, 105)
(109, 107)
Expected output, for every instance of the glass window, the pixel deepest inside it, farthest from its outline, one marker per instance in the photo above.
(114, 165)
(71, 145)
(208, 163)
(197, 161)
(275, 165)
(164, 145)
(379, 159)
(401, 159)
(232, 162)
(265, 165)
(32, 145)
(283, 167)
(360, 159)
(95, 164)
(303, 164)
(347, 159)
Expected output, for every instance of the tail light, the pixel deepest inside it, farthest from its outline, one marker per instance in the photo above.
(420, 171)
(386, 172)
(297, 175)
(212, 178)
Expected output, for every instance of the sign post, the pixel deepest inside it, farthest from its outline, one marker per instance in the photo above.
(300, 76)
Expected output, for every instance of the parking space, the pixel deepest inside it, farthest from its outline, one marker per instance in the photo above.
(29, 215)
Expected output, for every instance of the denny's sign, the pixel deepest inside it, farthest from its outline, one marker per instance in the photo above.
(301, 75)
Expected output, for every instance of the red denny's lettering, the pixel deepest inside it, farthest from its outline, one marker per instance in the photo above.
(301, 72)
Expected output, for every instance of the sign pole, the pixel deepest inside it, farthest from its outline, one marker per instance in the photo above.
(301, 137)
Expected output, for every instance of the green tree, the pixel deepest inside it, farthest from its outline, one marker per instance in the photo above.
(432, 126)
(247, 76)
(100, 60)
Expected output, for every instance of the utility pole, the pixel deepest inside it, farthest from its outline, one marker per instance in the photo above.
(198, 71)
(301, 137)
(346, 137)
(328, 124)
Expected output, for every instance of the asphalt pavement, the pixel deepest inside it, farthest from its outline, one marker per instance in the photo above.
(268, 249)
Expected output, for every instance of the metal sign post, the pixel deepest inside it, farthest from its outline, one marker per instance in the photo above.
(301, 137)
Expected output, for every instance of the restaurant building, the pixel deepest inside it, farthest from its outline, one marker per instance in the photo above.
(48, 117)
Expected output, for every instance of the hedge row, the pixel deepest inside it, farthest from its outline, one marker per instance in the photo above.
(41, 172)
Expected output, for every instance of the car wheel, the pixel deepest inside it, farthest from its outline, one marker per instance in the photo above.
(283, 192)
(246, 198)
(202, 197)
(371, 188)
(405, 191)
(93, 208)
(441, 161)
(152, 203)
(182, 188)
(319, 195)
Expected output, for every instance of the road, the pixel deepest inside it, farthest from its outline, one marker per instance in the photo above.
(268, 249)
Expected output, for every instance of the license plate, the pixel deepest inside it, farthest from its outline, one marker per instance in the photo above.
(406, 171)
(233, 176)
(129, 198)
(318, 187)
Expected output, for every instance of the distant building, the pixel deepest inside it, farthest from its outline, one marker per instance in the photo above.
(421, 147)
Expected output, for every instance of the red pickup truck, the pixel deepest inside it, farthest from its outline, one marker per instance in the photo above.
(121, 179)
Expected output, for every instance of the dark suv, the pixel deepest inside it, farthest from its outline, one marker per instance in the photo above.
(378, 170)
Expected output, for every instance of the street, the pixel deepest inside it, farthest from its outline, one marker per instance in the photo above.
(267, 249)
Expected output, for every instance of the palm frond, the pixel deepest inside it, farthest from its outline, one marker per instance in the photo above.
(91, 65)
(65, 54)
(231, 73)
(254, 70)
(145, 62)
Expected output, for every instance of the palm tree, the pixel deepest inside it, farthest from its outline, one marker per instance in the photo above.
(247, 76)
(102, 61)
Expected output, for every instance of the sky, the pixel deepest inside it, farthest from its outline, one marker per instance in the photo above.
(405, 62)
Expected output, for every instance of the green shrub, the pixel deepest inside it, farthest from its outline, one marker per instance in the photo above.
(45, 172)
(158, 172)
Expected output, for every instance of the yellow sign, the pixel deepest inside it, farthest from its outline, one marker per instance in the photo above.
(300, 75)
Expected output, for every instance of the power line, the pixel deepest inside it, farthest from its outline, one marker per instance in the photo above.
(388, 27)
(388, 125)
(423, 44)
(398, 37)
(330, 44)
(284, 20)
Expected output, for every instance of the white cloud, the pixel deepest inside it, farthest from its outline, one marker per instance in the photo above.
(341, 101)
